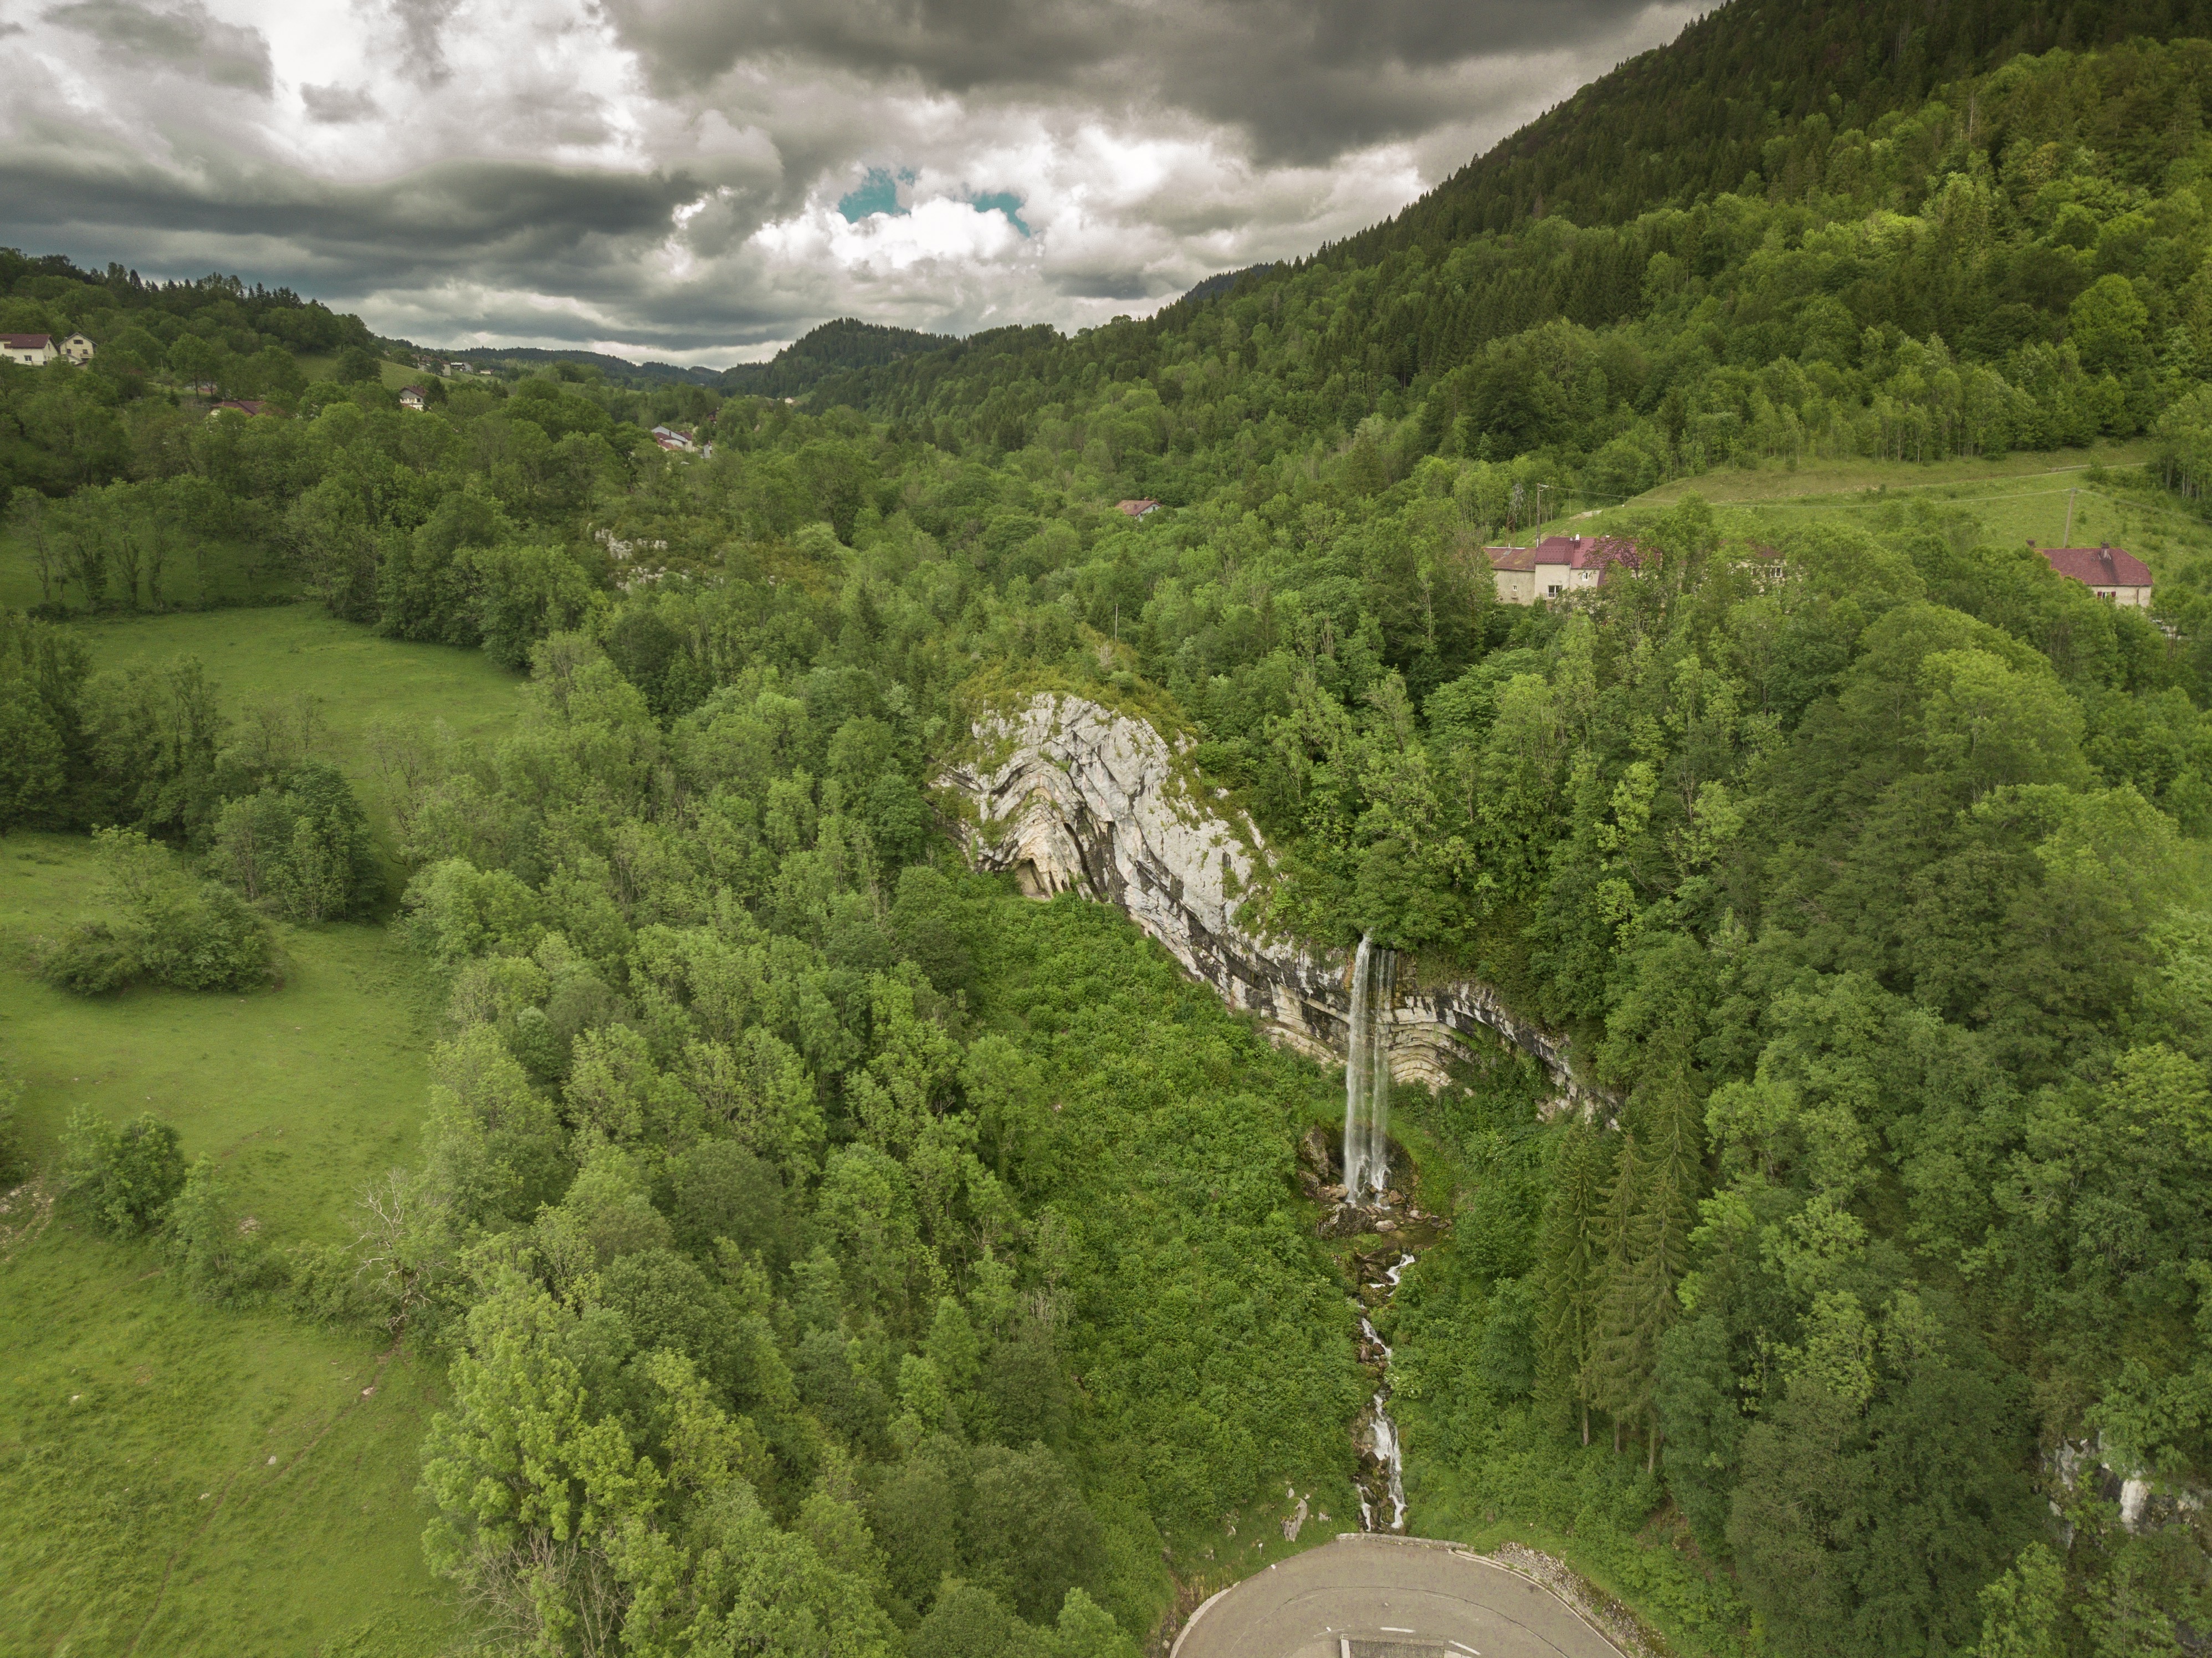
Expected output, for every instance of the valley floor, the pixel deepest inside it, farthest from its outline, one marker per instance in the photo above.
(178, 1478)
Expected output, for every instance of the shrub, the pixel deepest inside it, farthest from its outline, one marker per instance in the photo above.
(301, 846)
(172, 930)
(92, 960)
(126, 1174)
(221, 1256)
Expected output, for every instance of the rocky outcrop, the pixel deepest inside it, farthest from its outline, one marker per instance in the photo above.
(2144, 1503)
(1070, 796)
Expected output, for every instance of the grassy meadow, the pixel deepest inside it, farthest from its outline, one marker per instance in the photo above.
(360, 680)
(139, 1506)
(176, 1477)
(2070, 497)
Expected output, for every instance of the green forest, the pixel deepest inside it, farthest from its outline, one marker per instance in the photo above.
(828, 1250)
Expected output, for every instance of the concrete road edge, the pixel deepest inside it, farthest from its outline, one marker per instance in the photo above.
(1174, 1650)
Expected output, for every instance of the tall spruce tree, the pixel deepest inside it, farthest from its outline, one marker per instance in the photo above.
(1568, 1272)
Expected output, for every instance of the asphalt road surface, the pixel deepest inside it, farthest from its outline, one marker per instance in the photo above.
(1382, 1597)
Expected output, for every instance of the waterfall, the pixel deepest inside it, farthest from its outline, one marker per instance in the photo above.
(1367, 1075)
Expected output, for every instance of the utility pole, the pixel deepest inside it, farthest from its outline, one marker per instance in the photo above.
(2068, 539)
(1540, 506)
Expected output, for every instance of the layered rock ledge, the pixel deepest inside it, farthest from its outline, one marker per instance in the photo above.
(1070, 796)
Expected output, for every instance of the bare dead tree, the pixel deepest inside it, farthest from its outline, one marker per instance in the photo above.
(400, 1242)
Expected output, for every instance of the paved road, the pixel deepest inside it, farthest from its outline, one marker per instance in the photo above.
(1363, 1597)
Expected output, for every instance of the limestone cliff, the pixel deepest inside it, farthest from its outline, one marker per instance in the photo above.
(1070, 796)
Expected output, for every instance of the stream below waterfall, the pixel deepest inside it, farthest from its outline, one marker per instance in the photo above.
(1369, 1182)
(1383, 1481)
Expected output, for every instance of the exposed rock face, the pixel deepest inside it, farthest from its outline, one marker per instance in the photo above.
(1073, 797)
(2146, 1503)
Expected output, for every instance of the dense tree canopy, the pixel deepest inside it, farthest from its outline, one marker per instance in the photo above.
(836, 1252)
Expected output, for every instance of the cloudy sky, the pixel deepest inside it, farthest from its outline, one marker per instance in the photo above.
(701, 180)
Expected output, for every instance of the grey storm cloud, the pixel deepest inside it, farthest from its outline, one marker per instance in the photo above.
(188, 38)
(458, 215)
(1308, 79)
(337, 106)
(422, 23)
(674, 177)
(574, 231)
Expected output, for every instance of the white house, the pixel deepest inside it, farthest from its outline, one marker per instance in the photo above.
(414, 397)
(1557, 566)
(677, 442)
(32, 350)
(77, 349)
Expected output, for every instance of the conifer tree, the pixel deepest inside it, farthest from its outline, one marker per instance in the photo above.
(1569, 1271)
(1640, 1303)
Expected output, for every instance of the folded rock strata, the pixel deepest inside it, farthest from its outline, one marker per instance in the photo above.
(1070, 796)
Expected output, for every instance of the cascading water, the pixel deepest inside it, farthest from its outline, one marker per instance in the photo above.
(1377, 1433)
(1366, 1192)
(1367, 1076)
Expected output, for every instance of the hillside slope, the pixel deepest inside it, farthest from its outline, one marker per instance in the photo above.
(1737, 96)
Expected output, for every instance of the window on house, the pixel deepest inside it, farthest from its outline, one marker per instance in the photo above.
(1552, 592)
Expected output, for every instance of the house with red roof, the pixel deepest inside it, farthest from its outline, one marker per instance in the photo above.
(1138, 510)
(32, 350)
(247, 406)
(1557, 566)
(2117, 577)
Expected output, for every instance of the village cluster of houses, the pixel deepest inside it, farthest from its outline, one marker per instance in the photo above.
(37, 350)
(1558, 566)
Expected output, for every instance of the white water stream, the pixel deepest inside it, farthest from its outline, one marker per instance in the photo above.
(1378, 1434)
(1367, 1187)
(1367, 1075)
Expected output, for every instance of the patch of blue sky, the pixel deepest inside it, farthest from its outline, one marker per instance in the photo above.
(1003, 201)
(878, 193)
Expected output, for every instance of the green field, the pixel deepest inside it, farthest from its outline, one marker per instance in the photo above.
(2071, 497)
(140, 1509)
(362, 680)
(126, 1399)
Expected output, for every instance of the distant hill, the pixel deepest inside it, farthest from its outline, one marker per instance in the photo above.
(834, 348)
(614, 368)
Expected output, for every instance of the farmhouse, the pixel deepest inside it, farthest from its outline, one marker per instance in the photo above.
(674, 441)
(238, 406)
(32, 350)
(77, 349)
(415, 398)
(1138, 510)
(2117, 577)
(1556, 566)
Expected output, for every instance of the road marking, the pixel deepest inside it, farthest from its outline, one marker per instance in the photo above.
(1457, 1647)
(1392, 1629)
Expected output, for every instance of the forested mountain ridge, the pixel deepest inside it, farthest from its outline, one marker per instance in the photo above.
(2023, 267)
(1735, 98)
